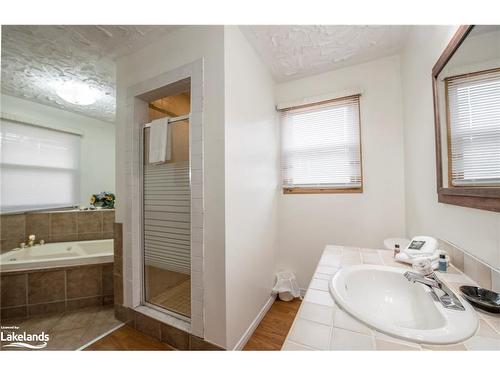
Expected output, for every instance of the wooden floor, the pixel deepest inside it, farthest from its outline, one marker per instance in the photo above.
(127, 338)
(269, 335)
(273, 329)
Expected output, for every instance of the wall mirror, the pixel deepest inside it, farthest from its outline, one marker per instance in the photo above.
(466, 87)
(57, 125)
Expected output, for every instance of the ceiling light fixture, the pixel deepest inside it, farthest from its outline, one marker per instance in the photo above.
(77, 92)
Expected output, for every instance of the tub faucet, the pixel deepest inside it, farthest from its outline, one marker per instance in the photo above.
(31, 240)
(446, 296)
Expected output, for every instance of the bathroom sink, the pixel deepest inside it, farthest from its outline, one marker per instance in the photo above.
(383, 299)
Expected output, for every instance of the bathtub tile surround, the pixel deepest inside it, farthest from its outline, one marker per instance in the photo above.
(38, 292)
(107, 279)
(38, 225)
(46, 308)
(89, 301)
(322, 325)
(108, 221)
(55, 227)
(89, 222)
(63, 225)
(44, 287)
(12, 231)
(486, 276)
(118, 270)
(84, 282)
(13, 290)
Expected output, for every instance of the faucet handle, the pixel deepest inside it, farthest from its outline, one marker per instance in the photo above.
(423, 266)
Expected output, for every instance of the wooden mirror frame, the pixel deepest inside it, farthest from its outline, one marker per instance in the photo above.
(483, 198)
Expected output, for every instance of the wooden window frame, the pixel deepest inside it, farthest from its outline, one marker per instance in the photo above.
(483, 198)
(331, 190)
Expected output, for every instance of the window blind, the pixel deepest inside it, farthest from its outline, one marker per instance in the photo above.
(39, 167)
(474, 129)
(321, 145)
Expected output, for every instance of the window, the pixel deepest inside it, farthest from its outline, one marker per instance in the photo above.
(473, 103)
(39, 167)
(321, 148)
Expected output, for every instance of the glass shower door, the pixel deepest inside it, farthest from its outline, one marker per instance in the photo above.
(167, 223)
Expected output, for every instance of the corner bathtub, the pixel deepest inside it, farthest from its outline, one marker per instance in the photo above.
(57, 254)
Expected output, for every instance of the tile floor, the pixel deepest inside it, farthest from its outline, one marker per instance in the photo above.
(69, 330)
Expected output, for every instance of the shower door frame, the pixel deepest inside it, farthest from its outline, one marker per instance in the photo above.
(144, 302)
(138, 97)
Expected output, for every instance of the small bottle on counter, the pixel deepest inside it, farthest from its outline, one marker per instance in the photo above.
(443, 262)
(397, 250)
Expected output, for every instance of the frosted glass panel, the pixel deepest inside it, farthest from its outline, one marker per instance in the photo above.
(167, 223)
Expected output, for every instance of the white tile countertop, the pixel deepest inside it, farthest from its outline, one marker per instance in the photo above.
(322, 325)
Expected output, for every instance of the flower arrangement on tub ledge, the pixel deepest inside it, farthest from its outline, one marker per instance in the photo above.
(102, 200)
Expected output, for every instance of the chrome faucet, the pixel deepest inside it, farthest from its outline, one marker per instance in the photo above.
(442, 293)
(419, 278)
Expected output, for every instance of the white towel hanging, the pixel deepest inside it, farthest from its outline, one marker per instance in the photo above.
(160, 144)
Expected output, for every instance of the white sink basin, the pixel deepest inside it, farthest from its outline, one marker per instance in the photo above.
(383, 299)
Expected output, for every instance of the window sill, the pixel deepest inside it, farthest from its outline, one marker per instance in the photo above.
(322, 191)
(480, 198)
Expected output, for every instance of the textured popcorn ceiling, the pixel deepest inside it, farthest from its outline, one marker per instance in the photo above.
(36, 57)
(296, 51)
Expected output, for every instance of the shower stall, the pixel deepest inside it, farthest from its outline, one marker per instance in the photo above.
(164, 215)
(166, 187)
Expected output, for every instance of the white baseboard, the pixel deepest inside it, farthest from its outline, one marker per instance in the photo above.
(248, 333)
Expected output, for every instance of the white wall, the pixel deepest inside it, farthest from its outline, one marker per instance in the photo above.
(476, 231)
(183, 46)
(97, 145)
(251, 165)
(308, 222)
